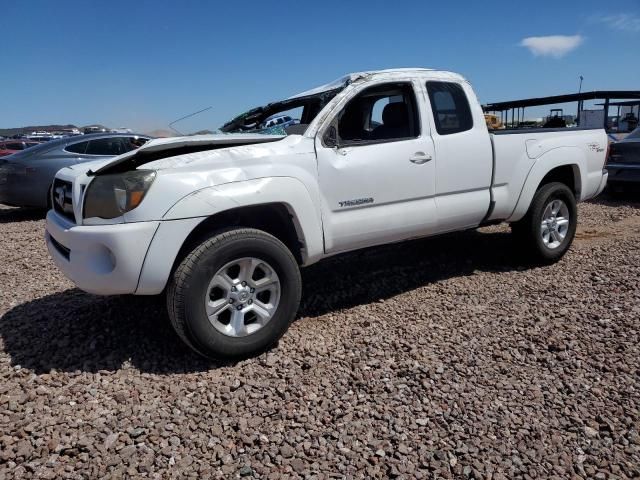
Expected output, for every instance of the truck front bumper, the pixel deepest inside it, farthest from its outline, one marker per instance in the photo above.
(103, 259)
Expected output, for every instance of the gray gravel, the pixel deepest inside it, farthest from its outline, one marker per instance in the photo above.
(441, 358)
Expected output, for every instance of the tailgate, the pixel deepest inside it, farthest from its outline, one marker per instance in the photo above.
(624, 153)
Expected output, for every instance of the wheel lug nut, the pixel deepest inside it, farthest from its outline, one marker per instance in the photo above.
(233, 289)
(244, 284)
(231, 300)
(239, 307)
(252, 290)
(250, 301)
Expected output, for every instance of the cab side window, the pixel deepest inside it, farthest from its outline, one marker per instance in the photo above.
(384, 113)
(450, 107)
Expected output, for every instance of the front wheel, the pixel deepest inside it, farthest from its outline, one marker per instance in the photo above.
(548, 228)
(235, 294)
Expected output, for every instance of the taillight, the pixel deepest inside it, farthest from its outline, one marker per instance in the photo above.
(608, 154)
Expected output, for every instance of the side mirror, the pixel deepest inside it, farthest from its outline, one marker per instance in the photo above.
(331, 137)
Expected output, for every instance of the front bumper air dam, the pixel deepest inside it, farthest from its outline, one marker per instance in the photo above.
(101, 259)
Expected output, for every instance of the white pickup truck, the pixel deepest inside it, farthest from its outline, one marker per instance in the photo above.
(222, 223)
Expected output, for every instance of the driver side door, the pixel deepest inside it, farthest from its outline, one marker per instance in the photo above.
(378, 180)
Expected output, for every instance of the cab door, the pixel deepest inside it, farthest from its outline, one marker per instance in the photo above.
(376, 168)
(465, 155)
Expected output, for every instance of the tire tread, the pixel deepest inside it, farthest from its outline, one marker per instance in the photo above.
(525, 230)
(186, 268)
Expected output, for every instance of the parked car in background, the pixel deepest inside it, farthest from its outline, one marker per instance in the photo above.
(94, 129)
(624, 162)
(280, 120)
(40, 136)
(67, 132)
(26, 177)
(9, 147)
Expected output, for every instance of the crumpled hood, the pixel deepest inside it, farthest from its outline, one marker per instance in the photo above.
(162, 148)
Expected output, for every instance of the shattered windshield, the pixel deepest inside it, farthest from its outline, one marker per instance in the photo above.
(286, 117)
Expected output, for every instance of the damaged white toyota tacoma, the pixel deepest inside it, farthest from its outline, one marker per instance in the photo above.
(221, 224)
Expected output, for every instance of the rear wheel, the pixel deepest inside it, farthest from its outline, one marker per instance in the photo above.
(548, 228)
(235, 294)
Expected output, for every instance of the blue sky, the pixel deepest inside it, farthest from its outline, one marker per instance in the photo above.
(143, 64)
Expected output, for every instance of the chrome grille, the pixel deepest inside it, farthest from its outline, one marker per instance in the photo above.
(62, 198)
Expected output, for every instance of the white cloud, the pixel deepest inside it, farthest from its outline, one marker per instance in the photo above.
(552, 45)
(622, 21)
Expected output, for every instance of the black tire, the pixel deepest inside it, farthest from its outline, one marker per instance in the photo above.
(190, 281)
(528, 230)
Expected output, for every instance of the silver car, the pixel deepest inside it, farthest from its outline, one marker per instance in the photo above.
(26, 177)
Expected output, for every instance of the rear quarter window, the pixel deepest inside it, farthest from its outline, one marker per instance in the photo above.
(450, 107)
(106, 146)
(77, 147)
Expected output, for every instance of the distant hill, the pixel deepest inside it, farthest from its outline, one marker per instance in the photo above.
(160, 133)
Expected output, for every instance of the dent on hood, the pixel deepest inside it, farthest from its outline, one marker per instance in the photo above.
(179, 147)
(233, 156)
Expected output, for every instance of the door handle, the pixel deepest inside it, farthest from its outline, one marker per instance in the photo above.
(419, 158)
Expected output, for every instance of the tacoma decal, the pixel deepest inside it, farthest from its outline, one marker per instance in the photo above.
(355, 202)
(595, 147)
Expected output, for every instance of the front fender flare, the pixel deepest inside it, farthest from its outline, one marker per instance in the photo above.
(185, 215)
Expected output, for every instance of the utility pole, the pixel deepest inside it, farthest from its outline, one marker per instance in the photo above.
(579, 102)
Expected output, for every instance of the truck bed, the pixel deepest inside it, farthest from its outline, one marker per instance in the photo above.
(517, 152)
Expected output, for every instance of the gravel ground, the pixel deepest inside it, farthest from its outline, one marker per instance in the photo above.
(440, 358)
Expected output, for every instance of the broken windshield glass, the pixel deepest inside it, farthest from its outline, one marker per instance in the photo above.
(279, 118)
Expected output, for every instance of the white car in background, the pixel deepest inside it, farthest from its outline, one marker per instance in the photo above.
(26, 177)
(222, 223)
(279, 120)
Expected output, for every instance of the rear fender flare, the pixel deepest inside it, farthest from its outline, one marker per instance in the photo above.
(558, 157)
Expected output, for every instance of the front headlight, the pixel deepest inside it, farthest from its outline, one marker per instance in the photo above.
(110, 196)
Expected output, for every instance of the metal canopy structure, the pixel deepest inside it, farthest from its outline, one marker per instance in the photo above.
(633, 97)
(630, 103)
(568, 98)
